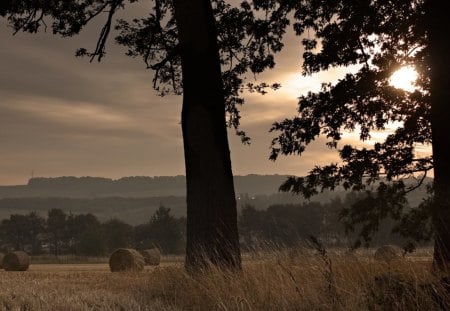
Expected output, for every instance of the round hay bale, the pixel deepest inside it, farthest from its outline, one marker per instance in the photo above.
(151, 256)
(16, 261)
(1, 260)
(126, 259)
(388, 253)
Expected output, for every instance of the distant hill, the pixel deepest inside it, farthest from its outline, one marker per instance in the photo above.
(135, 199)
(130, 187)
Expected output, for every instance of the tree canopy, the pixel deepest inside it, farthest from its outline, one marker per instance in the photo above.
(378, 38)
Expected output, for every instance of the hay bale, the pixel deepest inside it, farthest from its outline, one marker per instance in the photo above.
(16, 261)
(126, 259)
(1, 260)
(388, 253)
(151, 256)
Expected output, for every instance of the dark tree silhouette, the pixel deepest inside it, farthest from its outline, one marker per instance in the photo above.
(380, 37)
(57, 228)
(165, 231)
(212, 225)
(200, 48)
(20, 231)
(84, 235)
(438, 25)
(117, 234)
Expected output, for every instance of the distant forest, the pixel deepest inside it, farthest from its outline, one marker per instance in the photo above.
(280, 226)
(125, 198)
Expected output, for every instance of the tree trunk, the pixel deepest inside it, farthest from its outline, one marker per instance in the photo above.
(212, 235)
(439, 28)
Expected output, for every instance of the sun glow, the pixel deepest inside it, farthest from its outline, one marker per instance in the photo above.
(404, 79)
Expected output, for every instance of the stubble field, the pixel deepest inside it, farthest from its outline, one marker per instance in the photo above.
(275, 281)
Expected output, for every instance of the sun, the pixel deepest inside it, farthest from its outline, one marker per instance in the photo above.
(404, 78)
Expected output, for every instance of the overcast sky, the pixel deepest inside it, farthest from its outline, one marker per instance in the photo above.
(61, 115)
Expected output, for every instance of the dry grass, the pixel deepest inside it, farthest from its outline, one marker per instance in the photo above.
(271, 282)
(68, 259)
(151, 256)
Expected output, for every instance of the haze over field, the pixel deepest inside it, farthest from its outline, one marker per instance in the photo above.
(135, 199)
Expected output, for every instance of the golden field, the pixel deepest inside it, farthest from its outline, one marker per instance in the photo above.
(275, 281)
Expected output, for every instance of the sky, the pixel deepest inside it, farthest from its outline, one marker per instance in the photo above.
(64, 116)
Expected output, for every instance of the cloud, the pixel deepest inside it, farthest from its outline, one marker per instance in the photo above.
(62, 115)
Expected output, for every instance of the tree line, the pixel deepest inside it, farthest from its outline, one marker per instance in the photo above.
(278, 226)
(84, 235)
(283, 226)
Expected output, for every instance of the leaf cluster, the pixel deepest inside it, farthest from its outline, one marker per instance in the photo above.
(373, 38)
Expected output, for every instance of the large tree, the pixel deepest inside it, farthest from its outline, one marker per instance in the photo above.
(200, 48)
(377, 37)
(438, 25)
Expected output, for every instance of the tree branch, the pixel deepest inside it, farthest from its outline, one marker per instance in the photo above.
(101, 43)
(168, 59)
(420, 182)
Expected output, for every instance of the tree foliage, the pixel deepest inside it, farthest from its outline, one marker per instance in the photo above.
(163, 231)
(85, 235)
(377, 38)
(57, 228)
(23, 230)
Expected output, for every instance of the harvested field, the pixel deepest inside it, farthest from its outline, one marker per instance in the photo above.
(276, 282)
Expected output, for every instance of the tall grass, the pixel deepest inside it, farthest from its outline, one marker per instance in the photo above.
(282, 280)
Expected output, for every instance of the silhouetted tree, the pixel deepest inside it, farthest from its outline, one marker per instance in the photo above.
(22, 231)
(203, 48)
(141, 237)
(91, 242)
(163, 231)
(117, 234)
(14, 232)
(57, 228)
(306, 219)
(37, 232)
(379, 37)
(438, 27)
(281, 225)
(251, 222)
(84, 235)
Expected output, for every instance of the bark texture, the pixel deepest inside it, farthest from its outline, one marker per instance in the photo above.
(212, 234)
(439, 28)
